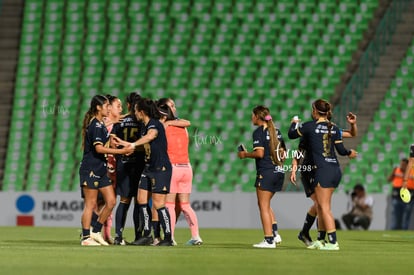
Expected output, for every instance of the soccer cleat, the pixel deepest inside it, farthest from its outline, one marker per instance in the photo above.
(143, 241)
(89, 242)
(119, 241)
(330, 246)
(277, 239)
(98, 237)
(197, 241)
(165, 243)
(109, 240)
(174, 242)
(265, 244)
(156, 241)
(316, 245)
(305, 239)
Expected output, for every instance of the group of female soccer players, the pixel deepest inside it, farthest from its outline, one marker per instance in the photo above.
(141, 155)
(146, 155)
(320, 169)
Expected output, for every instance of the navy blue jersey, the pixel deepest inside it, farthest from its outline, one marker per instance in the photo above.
(261, 139)
(315, 135)
(156, 152)
(129, 129)
(304, 149)
(96, 133)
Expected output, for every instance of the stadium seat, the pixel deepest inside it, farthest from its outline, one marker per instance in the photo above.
(215, 57)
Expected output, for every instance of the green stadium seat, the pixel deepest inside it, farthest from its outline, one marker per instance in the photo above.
(75, 20)
(75, 6)
(63, 181)
(217, 55)
(221, 8)
(201, 8)
(158, 7)
(179, 7)
(37, 180)
(14, 175)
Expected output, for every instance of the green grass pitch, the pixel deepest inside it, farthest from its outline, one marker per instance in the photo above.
(44, 250)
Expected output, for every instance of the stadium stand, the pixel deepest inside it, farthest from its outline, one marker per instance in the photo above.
(10, 18)
(216, 58)
(388, 137)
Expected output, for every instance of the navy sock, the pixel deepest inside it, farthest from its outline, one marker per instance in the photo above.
(157, 229)
(165, 220)
(332, 237)
(269, 240)
(120, 218)
(274, 228)
(307, 225)
(321, 235)
(98, 227)
(85, 233)
(94, 219)
(138, 231)
(145, 219)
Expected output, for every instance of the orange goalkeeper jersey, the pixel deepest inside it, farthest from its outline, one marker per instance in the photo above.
(177, 144)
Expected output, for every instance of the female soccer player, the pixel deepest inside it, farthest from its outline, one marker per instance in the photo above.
(115, 112)
(182, 173)
(129, 170)
(155, 180)
(93, 170)
(268, 151)
(321, 135)
(305, 164)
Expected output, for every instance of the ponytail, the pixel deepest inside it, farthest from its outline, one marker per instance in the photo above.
(324, 108)
(276, 152)
(86, 120)
(329, 135)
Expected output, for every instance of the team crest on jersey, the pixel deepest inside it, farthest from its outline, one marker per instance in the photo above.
(92, 175)
(96, 184)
